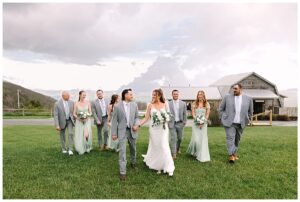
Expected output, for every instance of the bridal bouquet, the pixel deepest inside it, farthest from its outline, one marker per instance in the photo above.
(161, 118)
(84, 115)
(200, 119)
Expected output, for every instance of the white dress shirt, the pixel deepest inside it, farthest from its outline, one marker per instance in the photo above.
(176, 109)
(103, 107)
(127, 111)
(238, 106)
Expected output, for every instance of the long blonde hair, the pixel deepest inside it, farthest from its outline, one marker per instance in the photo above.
(197, 101)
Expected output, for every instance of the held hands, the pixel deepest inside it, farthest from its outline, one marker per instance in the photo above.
(135, 128)
(114, 137)
(98, 122)
(200, 126)
(57, 128)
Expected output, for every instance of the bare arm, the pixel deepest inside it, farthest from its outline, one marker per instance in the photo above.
(147, 115)
(109, 113)
(193, 112)
(207, 111)
(90, 108)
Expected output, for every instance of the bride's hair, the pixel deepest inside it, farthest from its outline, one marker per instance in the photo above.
(80, 92)
(160, 94)
(197, 101)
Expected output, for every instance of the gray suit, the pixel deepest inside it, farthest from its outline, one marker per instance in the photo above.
(98, 116)
(63, 122)
(227, 114)
(176, 128)
(119, 127)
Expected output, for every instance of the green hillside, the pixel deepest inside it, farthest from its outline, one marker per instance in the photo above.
(28, 98)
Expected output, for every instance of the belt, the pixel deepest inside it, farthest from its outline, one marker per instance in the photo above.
(178, 121)
(128, 128)
(105, 116)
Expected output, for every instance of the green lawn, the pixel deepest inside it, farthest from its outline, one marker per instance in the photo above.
(27, 117)
(34, 167)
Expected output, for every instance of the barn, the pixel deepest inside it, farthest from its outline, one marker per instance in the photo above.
(264, 93)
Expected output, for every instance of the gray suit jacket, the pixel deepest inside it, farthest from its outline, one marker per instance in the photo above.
(119, 121)
(60, 114)
(227, 110)
(97, 111)
(182, 113)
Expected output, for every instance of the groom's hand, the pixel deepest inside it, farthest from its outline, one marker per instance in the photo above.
(114, 137)
(135, 128)
(58, 128)
(98, 122)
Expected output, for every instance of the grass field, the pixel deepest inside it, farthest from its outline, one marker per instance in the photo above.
(26, 117)
(34, 167)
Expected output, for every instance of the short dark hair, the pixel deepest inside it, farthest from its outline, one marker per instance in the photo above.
(239, 85)
(175, 90)
(99, 90)
(124, 92)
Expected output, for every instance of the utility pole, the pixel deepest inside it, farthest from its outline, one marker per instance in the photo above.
(18, 93)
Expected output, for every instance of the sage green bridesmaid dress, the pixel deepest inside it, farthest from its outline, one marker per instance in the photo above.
(82, 144)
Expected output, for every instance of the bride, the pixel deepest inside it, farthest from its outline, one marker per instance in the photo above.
(159, 155)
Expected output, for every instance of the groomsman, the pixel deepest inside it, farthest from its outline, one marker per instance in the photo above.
(63, 119)
(176, 125)
(100, 113)
(235, 111)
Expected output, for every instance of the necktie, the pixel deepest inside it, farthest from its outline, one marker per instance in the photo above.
(67, 109)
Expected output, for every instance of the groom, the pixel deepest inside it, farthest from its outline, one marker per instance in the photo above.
(176, 125)
(235, 111)
(125, 125)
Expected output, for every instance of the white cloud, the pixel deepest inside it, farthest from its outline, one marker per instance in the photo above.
(136, 44)
(52, 76)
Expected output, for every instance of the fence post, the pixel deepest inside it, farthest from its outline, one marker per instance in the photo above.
(23, 113)
(271, 117)
(51, 112)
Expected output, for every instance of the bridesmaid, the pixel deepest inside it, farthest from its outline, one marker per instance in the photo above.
(83, 127)
(112, 144)
(198, 146)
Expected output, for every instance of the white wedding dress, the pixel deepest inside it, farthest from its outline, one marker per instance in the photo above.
(159, 155)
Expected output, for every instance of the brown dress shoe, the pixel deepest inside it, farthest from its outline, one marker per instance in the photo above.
(231, 159)
(235, 157)
(178, 151)
(122, 177)
(174, 156)
(105, 147)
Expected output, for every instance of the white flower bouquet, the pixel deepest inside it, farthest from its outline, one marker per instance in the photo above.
(84, 115)
(200, 119)
(161, 118)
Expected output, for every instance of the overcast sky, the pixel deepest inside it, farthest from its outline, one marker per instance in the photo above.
(91, 46)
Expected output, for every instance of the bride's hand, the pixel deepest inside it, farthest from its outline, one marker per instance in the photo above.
(200, 126)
